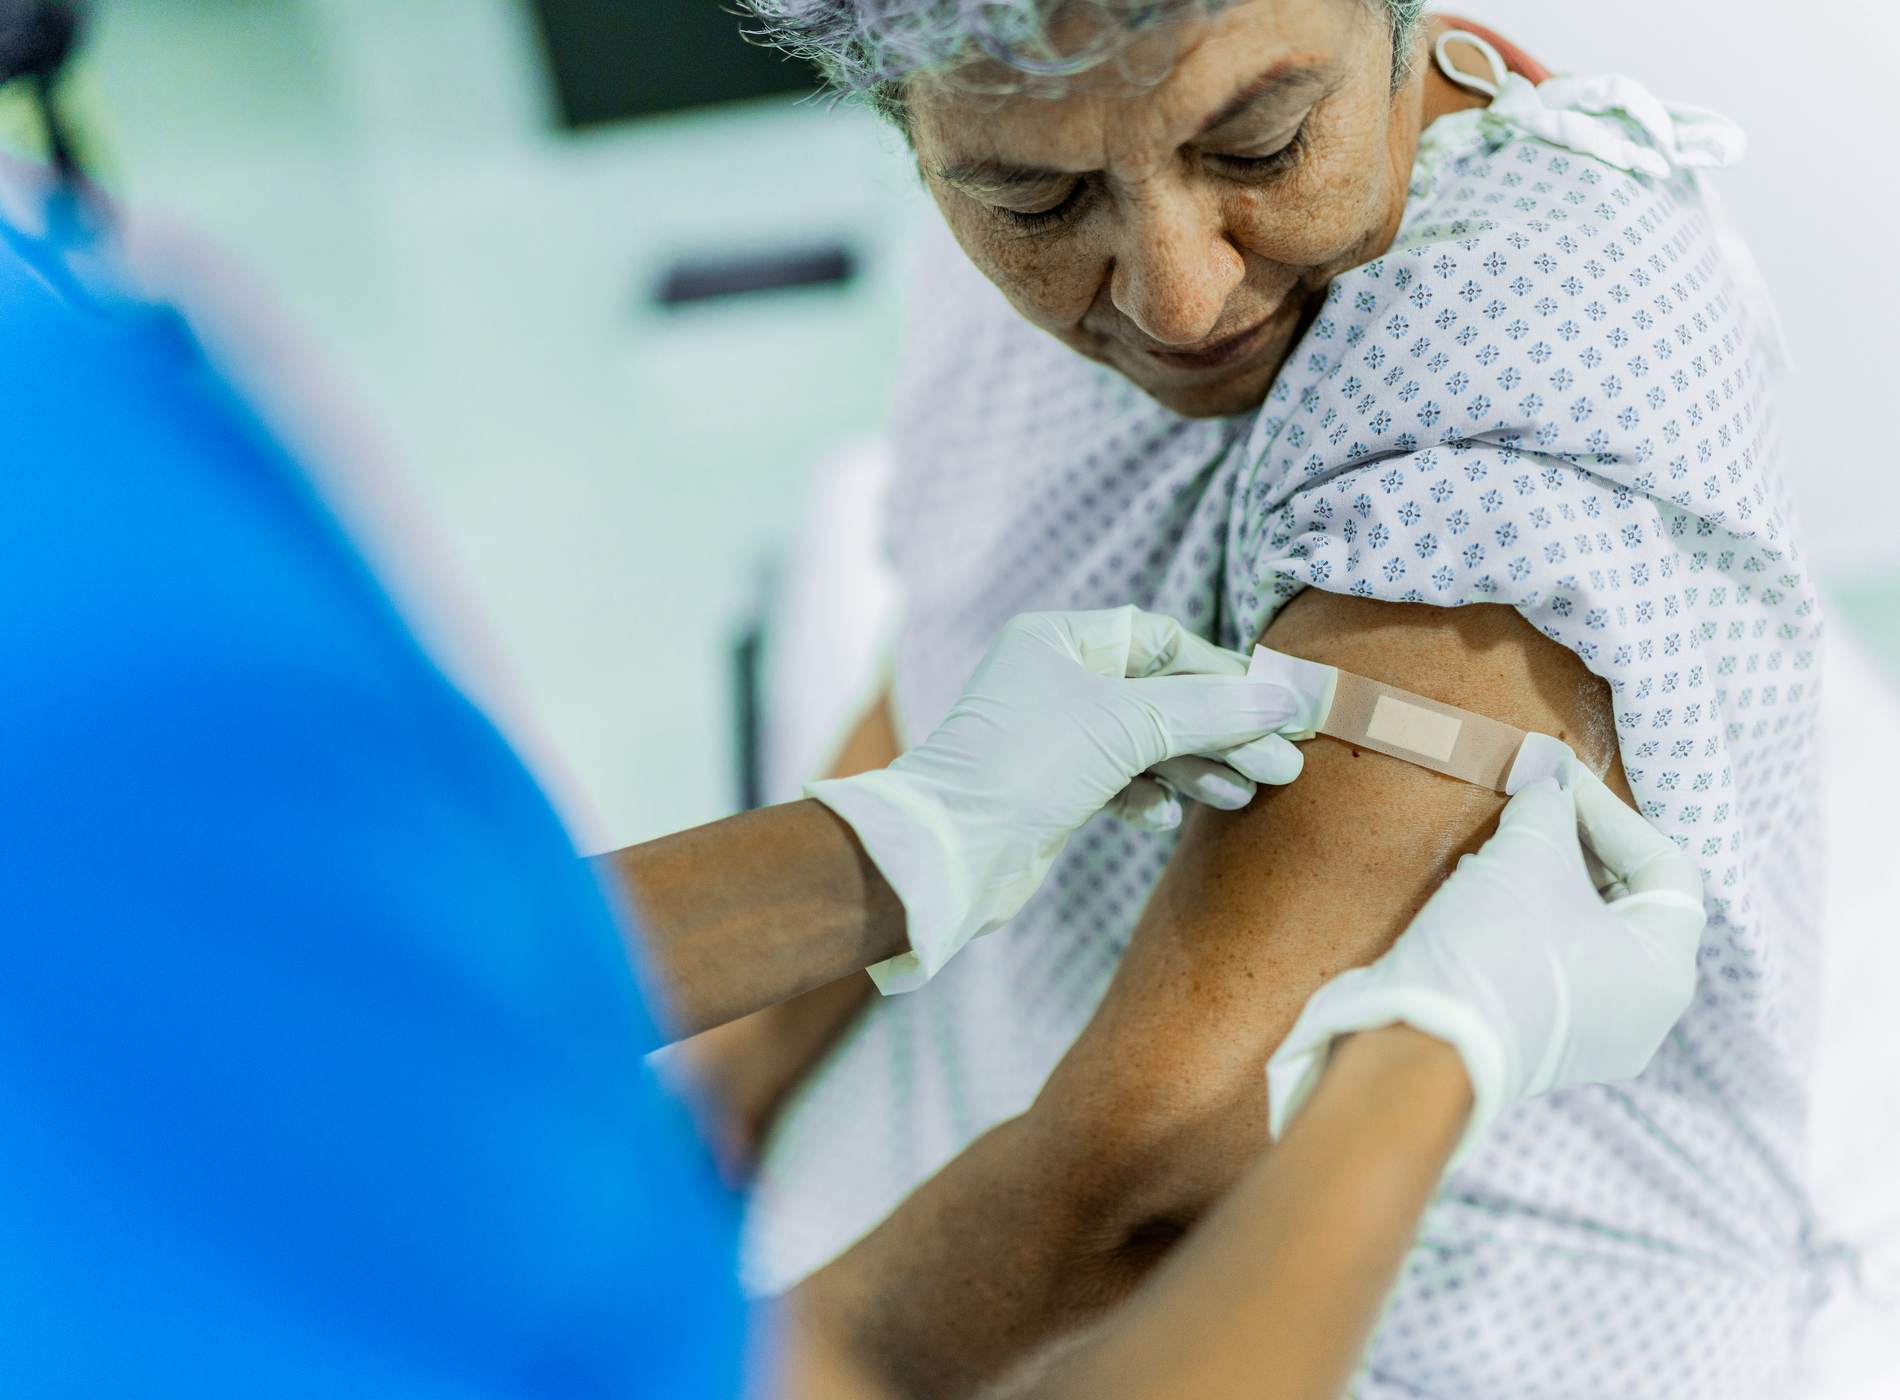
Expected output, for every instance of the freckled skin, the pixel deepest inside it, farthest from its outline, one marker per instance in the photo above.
(1170, 247)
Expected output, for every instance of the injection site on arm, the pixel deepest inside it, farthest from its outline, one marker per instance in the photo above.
(1400, 724)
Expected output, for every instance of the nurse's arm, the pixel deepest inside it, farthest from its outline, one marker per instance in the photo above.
(743, 1070)
(1159, 1106)
(745, 913)
(1287, 1275)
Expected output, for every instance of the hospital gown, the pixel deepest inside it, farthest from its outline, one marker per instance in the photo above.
(1555, 392)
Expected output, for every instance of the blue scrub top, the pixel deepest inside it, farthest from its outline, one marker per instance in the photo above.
(319, 1049)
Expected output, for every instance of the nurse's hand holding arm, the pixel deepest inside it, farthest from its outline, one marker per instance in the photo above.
(1539, 977)
(1521, 974)
(897, 869)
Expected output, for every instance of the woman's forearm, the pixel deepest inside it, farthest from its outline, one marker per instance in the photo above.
(744, 913)
(981, 1266)
(991, 1265)
(1280, 1286)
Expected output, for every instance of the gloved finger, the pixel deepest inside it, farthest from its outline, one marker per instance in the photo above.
(1147, 804)
(1273, 760)
(1539, 825)
(1096, 640)
(1160, 646)
(1664, 885)
(1600, 874)
(1335, 1009)
(1208, 714)
(1207, 781)
(1630, 848)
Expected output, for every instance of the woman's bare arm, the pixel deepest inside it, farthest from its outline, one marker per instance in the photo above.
(1287, 1275)
(1050, 1219)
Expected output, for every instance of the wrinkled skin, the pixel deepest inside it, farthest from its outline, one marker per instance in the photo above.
(1144, 226)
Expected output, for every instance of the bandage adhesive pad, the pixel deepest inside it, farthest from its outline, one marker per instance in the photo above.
(1387, 720)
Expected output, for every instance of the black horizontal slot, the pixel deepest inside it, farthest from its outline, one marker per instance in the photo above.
(614, 59)
(745, 274)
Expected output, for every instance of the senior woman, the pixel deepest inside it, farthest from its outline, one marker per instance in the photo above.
(1332, 323)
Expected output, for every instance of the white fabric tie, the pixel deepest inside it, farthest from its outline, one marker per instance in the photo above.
(1572, 112)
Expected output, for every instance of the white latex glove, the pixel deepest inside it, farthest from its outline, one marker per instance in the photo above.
(1068, 714)
(1536, 974)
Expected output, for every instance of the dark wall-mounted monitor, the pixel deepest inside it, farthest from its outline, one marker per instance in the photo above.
(615, 59)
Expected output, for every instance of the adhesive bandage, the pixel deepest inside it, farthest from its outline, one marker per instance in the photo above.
(1387, 720)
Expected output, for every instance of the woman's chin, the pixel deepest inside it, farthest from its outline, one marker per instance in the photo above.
(1237, 389)
(1204, 390)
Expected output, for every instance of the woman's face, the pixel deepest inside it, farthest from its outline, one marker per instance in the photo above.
(1179, 231)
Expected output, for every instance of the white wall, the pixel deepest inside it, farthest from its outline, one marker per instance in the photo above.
(600, 483)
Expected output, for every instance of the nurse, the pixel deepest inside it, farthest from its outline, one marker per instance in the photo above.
(320, 1071)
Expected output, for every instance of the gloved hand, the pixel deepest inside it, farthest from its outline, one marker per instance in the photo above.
(1069, 713)
(1537, 974)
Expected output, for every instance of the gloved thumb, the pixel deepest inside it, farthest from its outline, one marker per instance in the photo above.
(1665, 887)
(1127, 642)
(1538, 827)
(1160, 646)
(1203, 714)
(1147, 804)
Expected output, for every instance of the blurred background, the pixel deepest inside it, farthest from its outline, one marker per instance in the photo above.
(610, 289)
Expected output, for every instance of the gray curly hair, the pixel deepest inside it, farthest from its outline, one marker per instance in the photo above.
(866, 48)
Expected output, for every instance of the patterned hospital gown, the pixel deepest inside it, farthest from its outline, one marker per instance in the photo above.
(1555, 392)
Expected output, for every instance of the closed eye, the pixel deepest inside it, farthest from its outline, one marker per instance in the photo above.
(1258, 167)
(1244, 167)
(1036, 219)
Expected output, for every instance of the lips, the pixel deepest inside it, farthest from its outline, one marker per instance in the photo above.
(1215, 354)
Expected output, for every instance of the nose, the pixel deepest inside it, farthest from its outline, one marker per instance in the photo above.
(1176, 268)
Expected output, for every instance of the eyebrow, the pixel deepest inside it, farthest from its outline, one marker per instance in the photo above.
(999, 176)
(1284, 81)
